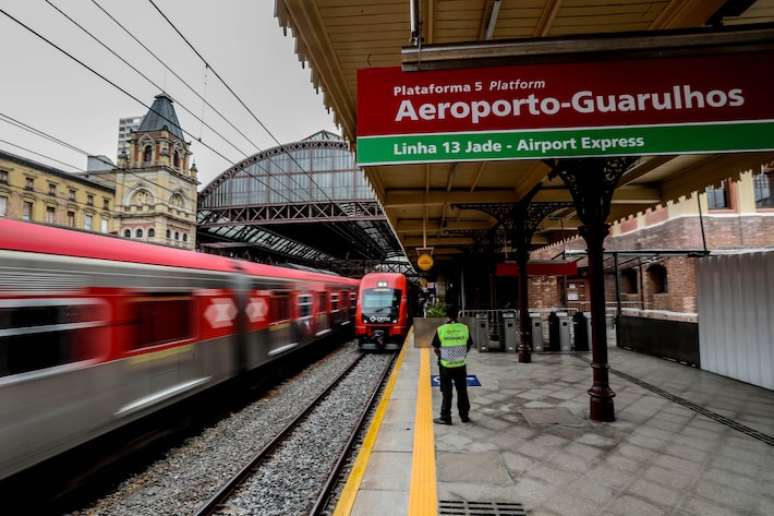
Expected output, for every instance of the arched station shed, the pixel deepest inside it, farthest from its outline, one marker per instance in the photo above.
(305, 203)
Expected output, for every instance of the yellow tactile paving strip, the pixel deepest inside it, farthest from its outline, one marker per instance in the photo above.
(423, 496)
(348, 494)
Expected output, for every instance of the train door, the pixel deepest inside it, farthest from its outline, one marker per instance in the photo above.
(352, 305)
(281, 336)
(54, 386)
(338, 307)
(304, 317)
(161, 336)
(322, 323)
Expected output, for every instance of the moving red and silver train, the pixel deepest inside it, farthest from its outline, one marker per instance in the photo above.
(96, 331)
(384, 310)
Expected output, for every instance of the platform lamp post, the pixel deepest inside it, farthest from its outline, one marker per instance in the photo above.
(591, 182)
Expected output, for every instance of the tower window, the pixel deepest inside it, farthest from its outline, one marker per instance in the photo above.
(147, 154)
(127, 233)
(185, 237)
(169, 234)
(138, 233)
(176, 159)
(177, 235)
(151, 233)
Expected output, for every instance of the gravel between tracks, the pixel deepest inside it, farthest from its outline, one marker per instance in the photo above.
(189, 474)
(290, 480)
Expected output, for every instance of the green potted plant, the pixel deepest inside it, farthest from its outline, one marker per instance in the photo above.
(424, 327)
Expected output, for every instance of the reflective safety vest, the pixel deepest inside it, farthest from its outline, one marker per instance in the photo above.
(454, 344)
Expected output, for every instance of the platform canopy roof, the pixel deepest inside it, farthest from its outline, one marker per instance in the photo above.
(338, 37)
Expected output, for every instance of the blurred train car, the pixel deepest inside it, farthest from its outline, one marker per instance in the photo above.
(385, 308)
(97, 331)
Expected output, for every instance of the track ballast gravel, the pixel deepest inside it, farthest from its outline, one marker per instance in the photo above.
(288, 482)
(189, 474)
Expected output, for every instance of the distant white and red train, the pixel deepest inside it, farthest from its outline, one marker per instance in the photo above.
(385, 309)
(96, 331)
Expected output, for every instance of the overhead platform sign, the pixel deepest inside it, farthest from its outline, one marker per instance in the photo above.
(704, 104)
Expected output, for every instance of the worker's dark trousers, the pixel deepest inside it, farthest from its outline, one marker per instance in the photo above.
(458, 376)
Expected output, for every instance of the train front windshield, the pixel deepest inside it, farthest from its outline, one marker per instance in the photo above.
(381, 305)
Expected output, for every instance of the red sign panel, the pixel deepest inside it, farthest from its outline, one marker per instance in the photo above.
(656, 91)
(498, 106)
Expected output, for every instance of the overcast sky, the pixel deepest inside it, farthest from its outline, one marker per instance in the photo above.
(240, 38)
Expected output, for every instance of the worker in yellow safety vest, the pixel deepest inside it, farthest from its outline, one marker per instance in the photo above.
(451, 344)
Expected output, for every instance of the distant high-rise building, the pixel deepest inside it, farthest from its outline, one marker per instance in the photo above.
(125, 128)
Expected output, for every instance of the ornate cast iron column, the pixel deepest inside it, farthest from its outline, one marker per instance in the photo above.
(591, 182)
(521, 220)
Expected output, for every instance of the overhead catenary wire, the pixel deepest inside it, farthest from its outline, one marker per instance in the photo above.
(191, 88)
(124, 91)
(12, 121)
(41, 155)
(239, 99)
(144, 76)
(105, 78)
(50, 196)
(174, 73)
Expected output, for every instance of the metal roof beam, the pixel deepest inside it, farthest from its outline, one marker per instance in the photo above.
(629, 194)
(620, 45)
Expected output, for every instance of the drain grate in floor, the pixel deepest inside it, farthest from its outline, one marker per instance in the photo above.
(465, 508)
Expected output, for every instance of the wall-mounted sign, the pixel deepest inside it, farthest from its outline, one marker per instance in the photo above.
(425, 262)
(685, 105)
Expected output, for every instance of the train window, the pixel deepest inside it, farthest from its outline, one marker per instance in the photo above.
(280, 308)
(334, 302)
(324, 302)
(39, 334)
(304, 305)
(162, 319)
(352, 297)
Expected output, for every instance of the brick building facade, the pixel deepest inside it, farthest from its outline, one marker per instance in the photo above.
(735, 215)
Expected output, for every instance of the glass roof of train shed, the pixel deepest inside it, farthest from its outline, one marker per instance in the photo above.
(305, 202)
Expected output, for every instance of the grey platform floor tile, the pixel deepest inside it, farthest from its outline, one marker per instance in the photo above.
(630, 506)
(388, 471)
(484, 467)
(395, 437)
(369, 503)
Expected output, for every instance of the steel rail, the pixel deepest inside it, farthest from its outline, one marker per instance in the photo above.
(330, 482)
(210, 506)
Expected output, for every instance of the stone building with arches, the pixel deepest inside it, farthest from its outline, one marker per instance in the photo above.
(155, 181)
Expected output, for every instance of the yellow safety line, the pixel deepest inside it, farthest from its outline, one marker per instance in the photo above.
(423, 497)
(348, 494)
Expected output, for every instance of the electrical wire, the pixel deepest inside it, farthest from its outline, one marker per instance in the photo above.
(239, 99)
(208, 104)
(199, 118)
(106, 79)
(125, 92)
(144, 76)
(6, 142)
(174, 73)
(30, 129)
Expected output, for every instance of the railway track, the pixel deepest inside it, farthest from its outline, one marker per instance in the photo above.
(238, 496)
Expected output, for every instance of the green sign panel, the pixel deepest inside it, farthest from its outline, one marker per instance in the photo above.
(601, 141)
